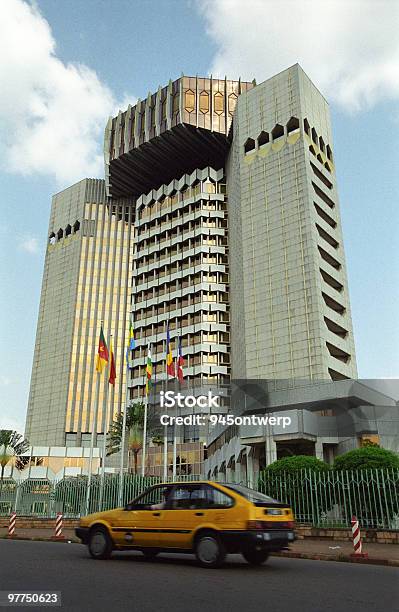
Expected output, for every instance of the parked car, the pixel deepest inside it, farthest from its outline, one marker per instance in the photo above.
(209, 519)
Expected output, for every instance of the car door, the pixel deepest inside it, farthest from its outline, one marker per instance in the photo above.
(141, 523)
(185, 511)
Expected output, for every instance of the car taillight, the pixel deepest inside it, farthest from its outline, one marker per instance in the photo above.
(263, 525)
(255, 525)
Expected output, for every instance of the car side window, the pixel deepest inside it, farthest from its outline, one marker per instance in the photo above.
(185, 497)
(217, 499)
(152, 497)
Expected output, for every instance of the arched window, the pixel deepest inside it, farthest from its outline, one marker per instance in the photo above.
(218, 99)
(321, 144)
(232, 102)
(327, 165)
(319, 157)
(249, 145)
(329, 153)
(263, 139)
(189, 101)
(76, 227)
(68, 230)
(292, 125)
(52, 238)
(60, 234)
(306, 126)
(204, 102)
(314, 136)
(277, 131)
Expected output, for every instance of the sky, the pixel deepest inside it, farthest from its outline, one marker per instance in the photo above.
(66, 66)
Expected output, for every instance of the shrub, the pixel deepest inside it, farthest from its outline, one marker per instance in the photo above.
(294, 464)
(365, 458)
(298, 481)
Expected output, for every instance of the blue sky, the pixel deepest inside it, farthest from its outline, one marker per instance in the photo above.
(70, 64)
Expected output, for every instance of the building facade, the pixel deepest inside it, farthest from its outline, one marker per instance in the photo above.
(85, 281)
(229, 235)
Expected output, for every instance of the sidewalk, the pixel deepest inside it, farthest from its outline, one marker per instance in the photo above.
(327, 550)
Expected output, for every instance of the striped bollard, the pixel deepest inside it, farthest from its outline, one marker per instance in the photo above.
(58, 527)
(357, 540)
(11, 524)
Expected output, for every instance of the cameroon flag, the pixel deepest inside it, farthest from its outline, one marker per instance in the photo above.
(102, 353)
(112, 369)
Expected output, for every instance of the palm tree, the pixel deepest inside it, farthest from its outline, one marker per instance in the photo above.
(12, 445)
(135, 442)
(134, 431)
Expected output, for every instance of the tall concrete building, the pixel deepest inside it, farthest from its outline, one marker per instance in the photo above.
(237, 228)
(235, 242)
(85, 280)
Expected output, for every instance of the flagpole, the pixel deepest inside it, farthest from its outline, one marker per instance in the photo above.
(107, 402)
(94, 429)
(143, 456)
(165, 452)
(174, 436)
(123, 439)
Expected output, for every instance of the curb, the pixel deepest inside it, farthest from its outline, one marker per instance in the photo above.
(41, 539)
(339, 558)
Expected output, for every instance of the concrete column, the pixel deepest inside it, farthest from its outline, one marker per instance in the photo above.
(319, 449)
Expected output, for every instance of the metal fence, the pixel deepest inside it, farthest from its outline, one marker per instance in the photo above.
(326, 499)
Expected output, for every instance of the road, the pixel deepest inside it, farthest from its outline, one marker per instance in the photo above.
(174, 583)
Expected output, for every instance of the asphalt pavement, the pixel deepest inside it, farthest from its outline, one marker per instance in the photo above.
(174, 583)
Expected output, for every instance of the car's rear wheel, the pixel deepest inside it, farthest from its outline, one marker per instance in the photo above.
(99, 544)
(150, 553)
(209, 550)
(255, 557)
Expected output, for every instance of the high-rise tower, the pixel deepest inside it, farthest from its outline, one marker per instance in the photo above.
(85, 280)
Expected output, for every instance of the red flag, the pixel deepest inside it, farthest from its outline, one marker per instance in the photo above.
(112, 369)
(180, 363)
(170, 366)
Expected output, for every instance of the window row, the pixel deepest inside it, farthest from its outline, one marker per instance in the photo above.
(204, 102)
(188, 320)
(156, 206)
(277, 132)
(190, 282)
(318, 140)
(70, 229)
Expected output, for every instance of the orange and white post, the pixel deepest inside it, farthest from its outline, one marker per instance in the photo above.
(58, 527)
(11, 524)
(357, 540)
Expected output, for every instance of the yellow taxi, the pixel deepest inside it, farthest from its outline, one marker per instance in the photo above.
(209, 519)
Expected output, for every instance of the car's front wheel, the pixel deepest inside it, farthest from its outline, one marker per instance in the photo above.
(99, 544)
(255, 557)
(209, 550)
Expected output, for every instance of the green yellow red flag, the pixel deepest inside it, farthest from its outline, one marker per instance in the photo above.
(102, 353)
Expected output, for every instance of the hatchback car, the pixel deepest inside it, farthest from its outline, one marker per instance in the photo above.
(209, 519)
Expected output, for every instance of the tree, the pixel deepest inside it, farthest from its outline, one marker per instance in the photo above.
(296, 463)
(12, 445)
(371, 476)
(300, 481)
(365, 458)
(134, 431)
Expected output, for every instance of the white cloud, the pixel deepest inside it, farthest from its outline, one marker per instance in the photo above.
(350, 49)
(52, 114)
(29, 244)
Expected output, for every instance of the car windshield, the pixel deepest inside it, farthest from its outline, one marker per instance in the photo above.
(253, 496)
